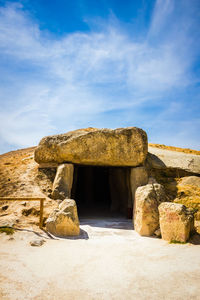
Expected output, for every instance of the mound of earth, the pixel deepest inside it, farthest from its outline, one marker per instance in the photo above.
(177, 149)
(20, 177)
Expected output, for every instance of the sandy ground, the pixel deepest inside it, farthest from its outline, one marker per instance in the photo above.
(108, 261)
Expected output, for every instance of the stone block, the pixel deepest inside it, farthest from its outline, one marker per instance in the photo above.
(63, 182)
(147, 200)
(92, 146)
(176, 222)
(138, 177)
(64, 220)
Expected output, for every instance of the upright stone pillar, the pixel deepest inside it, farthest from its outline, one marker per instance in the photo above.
(119, 189)
(138, 177)
(63, 182)
(147, 199)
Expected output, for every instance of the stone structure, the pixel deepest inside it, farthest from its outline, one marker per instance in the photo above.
(64, 220)
(109, 169)
(176, 222)
(63, 182)
(147, 200)
(92, 160)
(120, 190)
(99, 147)
(138, 177)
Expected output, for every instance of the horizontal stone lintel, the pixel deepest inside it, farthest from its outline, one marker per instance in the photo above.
(55, 165)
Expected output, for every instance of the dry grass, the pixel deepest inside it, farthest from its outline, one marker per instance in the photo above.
(185, 150)
(7, 230)
(189, 195)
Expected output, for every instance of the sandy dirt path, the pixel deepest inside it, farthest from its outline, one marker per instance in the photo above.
(109, 261)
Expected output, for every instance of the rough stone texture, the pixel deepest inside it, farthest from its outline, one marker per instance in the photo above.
(63, 182)
(138, 177)
(188, 193)
(176, 222)
(8, 220)
(160, 193)
(152, 180)
(64, 221)
(147, 200)
(163, 159)
(103, 147)
(190, 180)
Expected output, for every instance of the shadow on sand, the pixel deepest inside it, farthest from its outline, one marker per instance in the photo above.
(195, 239)
(83, 234)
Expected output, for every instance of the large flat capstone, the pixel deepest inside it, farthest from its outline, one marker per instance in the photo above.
(91, 146)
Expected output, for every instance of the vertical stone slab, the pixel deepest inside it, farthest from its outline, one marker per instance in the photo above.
(119, 189)
(63, 182)
(146, 210)
(147, 200)
(176, 222)
(88, 185)
(138, 177)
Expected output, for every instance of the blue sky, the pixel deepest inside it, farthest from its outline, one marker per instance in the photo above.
(108, 63)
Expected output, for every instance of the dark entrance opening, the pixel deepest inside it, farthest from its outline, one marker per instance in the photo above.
(101, 191)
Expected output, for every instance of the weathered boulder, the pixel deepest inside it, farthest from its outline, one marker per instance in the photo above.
(163, 159)
(63, 182)
(176, 222)
(147, 200)
(91, 146)
(190, 180)
(64, 221)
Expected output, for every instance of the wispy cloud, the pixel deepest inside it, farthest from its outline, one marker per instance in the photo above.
(99, 78)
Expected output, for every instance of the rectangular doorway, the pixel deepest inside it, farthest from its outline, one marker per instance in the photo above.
(101, 191)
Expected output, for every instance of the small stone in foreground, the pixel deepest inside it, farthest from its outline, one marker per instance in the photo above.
(37, 242)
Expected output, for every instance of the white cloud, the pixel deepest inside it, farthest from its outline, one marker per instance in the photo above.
(54, 85)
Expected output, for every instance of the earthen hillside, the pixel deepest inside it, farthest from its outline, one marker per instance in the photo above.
(19, 177)
(184, 150)
(19, 172)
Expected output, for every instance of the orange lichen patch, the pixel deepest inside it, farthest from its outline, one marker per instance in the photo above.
(189, 195)
(185, 150)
